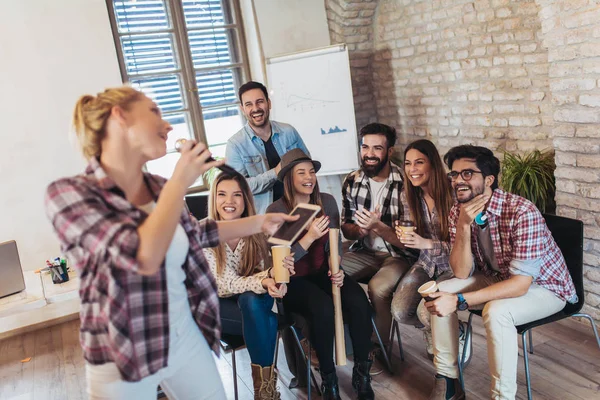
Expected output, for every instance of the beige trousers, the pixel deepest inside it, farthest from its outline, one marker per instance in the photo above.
(499, 318)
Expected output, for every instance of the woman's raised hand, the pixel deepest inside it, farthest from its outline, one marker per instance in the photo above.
(319, 227)
(192, 163)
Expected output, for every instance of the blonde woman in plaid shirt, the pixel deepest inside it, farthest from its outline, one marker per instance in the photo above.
(149, 306)
(507, 265)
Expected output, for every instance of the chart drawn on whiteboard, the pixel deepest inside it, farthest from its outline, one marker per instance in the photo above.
(333, 130)
(307, 102)
(312, 91)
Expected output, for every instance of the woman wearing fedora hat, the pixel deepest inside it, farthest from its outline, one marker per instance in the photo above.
(309, 290)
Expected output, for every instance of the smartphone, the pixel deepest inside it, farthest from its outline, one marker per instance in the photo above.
(289, 231)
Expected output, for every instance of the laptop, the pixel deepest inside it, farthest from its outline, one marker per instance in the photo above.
(11, 274)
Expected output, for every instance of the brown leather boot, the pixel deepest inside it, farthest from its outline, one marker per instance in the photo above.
(447, 389)
(272, 383)
(265, 382)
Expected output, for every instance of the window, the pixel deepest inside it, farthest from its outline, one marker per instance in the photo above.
(189, 57)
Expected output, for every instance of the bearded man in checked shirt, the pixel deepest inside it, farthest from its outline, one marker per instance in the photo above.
(509, 266)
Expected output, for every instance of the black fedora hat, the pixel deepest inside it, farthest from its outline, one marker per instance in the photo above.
(293, 157)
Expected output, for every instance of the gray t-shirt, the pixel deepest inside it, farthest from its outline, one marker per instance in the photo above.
(517, 267)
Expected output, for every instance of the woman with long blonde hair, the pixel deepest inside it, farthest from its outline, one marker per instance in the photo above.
(242, 269)
(149, 306)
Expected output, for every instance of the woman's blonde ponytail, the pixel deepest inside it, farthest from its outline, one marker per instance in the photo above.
(92, 112)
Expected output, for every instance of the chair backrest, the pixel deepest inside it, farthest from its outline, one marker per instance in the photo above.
(568, 235)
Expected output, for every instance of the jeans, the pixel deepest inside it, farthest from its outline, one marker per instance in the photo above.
(310, 296)
(406, 298)
(405, 304)
(249, 314)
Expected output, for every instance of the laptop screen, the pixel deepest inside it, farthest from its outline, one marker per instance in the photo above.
(11, 274)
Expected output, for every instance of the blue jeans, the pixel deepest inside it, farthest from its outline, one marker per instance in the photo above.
(249, 314)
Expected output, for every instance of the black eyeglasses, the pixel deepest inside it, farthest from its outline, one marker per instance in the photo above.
(466, 174)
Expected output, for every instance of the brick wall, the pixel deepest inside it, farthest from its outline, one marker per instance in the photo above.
(351, 22)
(463, 71)
(571, 33)
(506, 74)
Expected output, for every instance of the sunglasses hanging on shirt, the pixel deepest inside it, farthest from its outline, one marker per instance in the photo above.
(481, 220)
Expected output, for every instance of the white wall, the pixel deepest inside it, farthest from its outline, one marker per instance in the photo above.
(286, 27)
(291, 25)
(51, 52)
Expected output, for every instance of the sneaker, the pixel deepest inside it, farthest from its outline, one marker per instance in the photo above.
(461, 343)
(378, 359)
(428, 343)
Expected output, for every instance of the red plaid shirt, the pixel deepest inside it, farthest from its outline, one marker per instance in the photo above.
(124, 315)
(518, 232)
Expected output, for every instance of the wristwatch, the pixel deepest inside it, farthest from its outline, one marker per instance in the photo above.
(462, 303)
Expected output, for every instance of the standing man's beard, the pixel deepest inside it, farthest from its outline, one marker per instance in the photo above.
(472, 192)
(374, 169)
(264, 113)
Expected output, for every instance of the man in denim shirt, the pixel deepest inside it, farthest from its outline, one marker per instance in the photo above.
(256, 149)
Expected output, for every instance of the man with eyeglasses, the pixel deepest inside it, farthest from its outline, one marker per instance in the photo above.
(505, 262)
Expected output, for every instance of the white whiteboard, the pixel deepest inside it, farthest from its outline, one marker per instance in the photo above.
(312, 91)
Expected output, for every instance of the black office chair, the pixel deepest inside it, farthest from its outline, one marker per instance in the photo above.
(568, 235)
(395, 332)
(236, 342)
(233, 343)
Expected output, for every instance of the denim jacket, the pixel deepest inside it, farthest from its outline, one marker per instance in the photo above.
(246, 154)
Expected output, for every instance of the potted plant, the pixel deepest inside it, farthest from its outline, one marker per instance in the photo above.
(210, 175)
(531, 175)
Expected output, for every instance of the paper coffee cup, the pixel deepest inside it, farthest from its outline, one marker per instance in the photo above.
(280, 273)
(427, 288)
(406, 226)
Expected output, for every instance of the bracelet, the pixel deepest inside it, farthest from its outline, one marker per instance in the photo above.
(269, 272)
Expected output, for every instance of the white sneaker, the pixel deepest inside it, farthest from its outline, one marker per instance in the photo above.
(461, 343)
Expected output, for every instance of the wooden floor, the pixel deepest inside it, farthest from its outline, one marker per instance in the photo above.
(566, 365)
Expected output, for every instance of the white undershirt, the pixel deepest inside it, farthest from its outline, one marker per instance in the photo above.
(374, 241)
(179, 308)
(184, 333)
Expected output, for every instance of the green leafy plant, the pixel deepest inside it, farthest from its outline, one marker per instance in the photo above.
(531, 175)
(210, 175)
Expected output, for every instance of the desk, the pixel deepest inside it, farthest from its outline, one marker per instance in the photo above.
(41, 305)
(56, 292)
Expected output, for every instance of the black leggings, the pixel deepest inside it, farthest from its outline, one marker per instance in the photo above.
(310, 296)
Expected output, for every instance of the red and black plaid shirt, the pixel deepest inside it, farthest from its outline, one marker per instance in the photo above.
(519, 232)
(124, 315)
